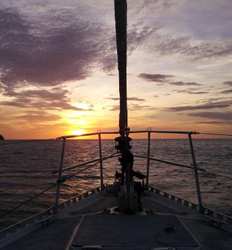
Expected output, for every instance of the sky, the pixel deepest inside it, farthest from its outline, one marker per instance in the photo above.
(58, 68)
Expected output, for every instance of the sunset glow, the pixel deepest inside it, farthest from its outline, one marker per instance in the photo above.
(76, 132)
(58, 71)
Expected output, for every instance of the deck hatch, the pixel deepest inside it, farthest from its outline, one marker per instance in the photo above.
(133, 232)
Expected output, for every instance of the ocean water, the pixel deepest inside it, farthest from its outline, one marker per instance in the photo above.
(27, 168)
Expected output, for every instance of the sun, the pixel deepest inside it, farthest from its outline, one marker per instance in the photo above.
(77, 132)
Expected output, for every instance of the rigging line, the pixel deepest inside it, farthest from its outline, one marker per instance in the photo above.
(219, 175)
(82, 170)
(169, 162)
(75, 175)
(28, 200)
(202, 170)
(88, 162)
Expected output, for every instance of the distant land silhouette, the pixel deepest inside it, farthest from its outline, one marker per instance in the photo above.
(1, 138)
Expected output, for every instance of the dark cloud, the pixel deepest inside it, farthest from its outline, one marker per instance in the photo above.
(215, 122)
(227, 91)
(212, 100)
(54, 99)
(192, 91)
(135, 99)
(138, 34)
(46, 53)
(60, 54)
(133, 107)
(209, 105)
(181, 83)
(48, 59)
(169, 44)
(166, 79)
(229, 83)
(38, 116)
(55, 93)
(136, 107)
(224, 116)
(154, 5)
(155, 77)
(114, 108)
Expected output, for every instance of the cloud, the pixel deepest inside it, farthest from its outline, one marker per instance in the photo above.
(166, 79)
(209, 105)
(136, 107)
(215, 122)
(38, 116)
(49, 59)
(181, 83)
(53, 99)
(224, 116)
(135, 99)
(154, 4)
(191, 91)
(44, 53)
(167, 44)
(155, 77)
(58, 45)
(137, 35)
(133, 107)
(114, 108)
(229, 83)
(227, 91)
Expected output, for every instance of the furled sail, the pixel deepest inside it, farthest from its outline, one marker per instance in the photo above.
(121, 38)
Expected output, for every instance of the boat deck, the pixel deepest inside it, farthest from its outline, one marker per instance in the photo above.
(88, 222)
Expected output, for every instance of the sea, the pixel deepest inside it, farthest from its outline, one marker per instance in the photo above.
(29, 167)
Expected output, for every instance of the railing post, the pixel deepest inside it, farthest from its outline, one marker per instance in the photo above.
(101, 161)
(195, 173)
(148, 156)
(56, 205)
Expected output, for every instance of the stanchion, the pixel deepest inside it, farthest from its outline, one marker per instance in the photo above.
(195, 173)
(101, 161)
(56, 205)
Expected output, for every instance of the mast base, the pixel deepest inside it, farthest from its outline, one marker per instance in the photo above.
(129, 199)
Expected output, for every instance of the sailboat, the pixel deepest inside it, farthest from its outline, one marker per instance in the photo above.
(129, 213)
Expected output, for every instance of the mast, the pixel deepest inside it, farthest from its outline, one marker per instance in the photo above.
(128, 202)
(121, 38)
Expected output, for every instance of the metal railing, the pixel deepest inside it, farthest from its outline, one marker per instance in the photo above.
(194, 167)
(148, 157)
(61, 178)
